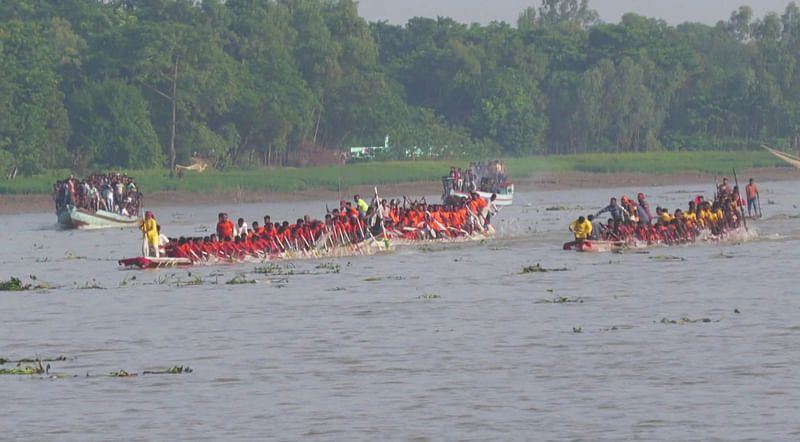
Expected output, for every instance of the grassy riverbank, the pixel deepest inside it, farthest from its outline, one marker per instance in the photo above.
(382, 173)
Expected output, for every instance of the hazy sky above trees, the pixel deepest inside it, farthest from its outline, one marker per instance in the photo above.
(483, 11)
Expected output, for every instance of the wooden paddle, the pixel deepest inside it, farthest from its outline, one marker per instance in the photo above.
(738, 202)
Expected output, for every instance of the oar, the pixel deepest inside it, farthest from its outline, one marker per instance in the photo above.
(739, 201)
(758, 200)
(380, 217)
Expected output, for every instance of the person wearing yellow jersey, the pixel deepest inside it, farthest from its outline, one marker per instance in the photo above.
(704, 216)
(664, 216)
(361, 205)
(690, 217)
(149, 228)
(582, 229)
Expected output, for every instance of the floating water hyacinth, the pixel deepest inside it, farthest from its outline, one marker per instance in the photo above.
(539, 269)
(13, 285)
(686, 320)
(36, 368)
(175, 369)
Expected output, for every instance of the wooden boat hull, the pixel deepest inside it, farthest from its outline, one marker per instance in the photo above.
(154, 263)
(594, 246)
(71, 217)
(371, 246)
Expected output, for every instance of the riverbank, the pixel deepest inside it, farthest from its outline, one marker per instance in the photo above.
(542, 181)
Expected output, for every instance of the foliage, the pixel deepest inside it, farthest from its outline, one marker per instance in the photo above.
(13, 284)
(391, 172)
(539, 269)
(86, 85)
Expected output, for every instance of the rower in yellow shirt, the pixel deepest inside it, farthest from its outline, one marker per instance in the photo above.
(705, 217)
(664, 217)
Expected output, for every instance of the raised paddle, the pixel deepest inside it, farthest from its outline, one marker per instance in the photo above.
(380, 217)
(739, 201)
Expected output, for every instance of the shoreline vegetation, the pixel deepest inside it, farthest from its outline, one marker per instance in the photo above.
(415, 178)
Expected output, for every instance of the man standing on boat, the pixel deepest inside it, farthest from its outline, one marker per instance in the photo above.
(225, 228)
(582, 228)
(616, 211)
(723, 189)
(644, 209)
(361, 205)
(149, 228)
(752, 196)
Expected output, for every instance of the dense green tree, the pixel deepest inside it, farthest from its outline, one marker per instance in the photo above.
(142, 83)
(33, 120)
(112, 127)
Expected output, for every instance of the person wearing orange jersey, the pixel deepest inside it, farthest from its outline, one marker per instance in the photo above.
(462, 215)
(751, 191)
(394, 216)
(225, 227)
(481, 206)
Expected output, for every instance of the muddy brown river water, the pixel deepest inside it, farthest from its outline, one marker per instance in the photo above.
(441, 342)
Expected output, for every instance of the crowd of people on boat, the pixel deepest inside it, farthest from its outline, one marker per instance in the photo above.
(631, 221)
(112, 192)
(484, 176)
(351, 225)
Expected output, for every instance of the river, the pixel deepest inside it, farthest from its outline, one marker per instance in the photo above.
(442, 342)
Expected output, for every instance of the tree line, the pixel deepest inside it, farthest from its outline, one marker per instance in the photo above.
(91, 84)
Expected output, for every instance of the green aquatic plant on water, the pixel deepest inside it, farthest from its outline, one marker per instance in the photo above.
(13, 285)
(686, 320)
(175, 369)
(561, 300)
(35, 366)
(667, 258)
(240, 278)
(4, 361)
(20, 369)
(539, 269)
(275, 269)
(330, 267)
